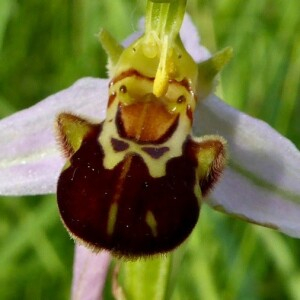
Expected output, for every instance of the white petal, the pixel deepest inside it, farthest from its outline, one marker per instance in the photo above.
(89, 273)
(191, 40)
(261, 183)
(30, 160)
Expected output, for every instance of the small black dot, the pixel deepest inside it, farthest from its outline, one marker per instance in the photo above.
(133, 49)
(181, 99)
(179, 56)
(123, 89)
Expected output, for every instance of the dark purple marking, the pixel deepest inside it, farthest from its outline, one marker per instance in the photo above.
(119, 145)
(155, 152)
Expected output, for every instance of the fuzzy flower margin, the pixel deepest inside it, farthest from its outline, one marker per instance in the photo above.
(261, 183)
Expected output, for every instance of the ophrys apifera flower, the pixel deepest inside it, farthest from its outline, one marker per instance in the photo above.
(255, 186)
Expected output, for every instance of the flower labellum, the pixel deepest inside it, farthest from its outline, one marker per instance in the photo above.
(134, 183)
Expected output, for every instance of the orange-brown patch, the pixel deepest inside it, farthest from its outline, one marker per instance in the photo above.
(146, 122)
(111, 99)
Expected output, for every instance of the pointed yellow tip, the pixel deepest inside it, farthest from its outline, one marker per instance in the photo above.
(221, 58)
(160, 85)
(112, 48)
(207, 70)
(71, 131)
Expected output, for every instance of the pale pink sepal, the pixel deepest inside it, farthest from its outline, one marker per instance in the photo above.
(262, 181)
(89, 273)
(30, 158)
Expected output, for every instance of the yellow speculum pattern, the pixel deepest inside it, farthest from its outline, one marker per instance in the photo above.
(150, 220)
(176, 101)
(112, 217)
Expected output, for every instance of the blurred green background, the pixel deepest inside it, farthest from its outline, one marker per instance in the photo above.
(47, 45)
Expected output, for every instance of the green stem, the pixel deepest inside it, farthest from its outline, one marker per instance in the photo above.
(148, 21)
(146, 279)
(163, 15)
(165, 18)
(175, 18)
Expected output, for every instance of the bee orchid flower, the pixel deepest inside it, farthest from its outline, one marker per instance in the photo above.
(260, 183)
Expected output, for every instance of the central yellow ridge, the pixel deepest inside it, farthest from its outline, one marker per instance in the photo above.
(113, 211)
